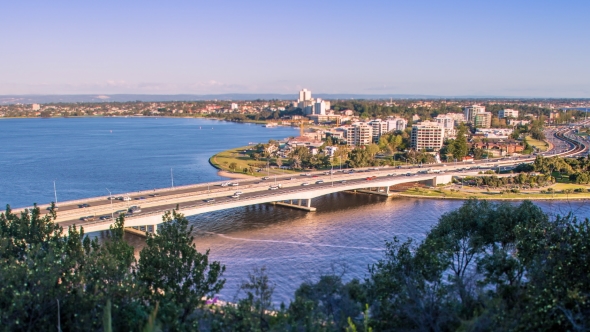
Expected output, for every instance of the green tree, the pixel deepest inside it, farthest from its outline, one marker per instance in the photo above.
(175, 275)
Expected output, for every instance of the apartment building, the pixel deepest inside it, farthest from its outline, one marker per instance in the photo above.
(395, 123)
(427, 135)
(359, 133)
(379, 128)
(471, 111)
(482, 120)
(508, 113)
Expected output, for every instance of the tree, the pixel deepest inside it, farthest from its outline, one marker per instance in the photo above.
(175, 275)
(233, 166)
(460, 147)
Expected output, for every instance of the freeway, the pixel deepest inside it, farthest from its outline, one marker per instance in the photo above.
(212, 196)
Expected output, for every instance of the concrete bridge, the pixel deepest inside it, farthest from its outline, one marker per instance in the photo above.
(293, 191)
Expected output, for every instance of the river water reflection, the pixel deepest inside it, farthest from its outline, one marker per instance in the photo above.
(345, 235)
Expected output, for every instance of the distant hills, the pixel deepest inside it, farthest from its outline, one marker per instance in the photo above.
(94, 98)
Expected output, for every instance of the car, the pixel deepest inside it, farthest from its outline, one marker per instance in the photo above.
(140, 198)
(126, 198)
(289, 179)
(87, 218)
(120, 211)
(105, 217)
(83, 205)
(110, 198)
(342, 181)
(155, 195)
(273, 187)
(265, 178)
(234, 184)
(238, 193)
(305, 184)
(391, 174)
(210, 200)
(408, 174)
(224, 184)
(134, 209)
(235, 196)
(55, 208)
(315, 176)
(319, 181)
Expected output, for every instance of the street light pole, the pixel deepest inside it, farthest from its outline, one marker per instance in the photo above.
(172, 177)
(111, 199)
(55, 193)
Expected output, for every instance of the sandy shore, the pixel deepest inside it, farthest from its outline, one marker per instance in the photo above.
(235, 175)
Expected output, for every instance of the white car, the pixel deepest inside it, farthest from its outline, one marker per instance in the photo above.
(235, 196)
(305, 184)
(238, 193)
(126, 198)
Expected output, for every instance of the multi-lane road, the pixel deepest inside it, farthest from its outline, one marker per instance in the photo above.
(209, 196)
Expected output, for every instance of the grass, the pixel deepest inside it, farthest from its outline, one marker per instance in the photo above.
(241, 157)
(541, 145)
(494, 193)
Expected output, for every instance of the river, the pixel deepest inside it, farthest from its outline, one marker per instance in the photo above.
(345, 235)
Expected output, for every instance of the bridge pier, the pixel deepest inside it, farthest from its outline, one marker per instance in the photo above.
(382, 191)
(142, 230)
(299, 206)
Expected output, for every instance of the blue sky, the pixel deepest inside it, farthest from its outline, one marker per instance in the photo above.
(446, 48)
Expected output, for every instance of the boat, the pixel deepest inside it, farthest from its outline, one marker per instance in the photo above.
(270, 125)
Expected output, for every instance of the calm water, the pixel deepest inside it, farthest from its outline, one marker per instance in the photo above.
(87, 155)
(345, 235)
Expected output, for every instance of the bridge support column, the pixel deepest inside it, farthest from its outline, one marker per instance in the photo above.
(306, 206)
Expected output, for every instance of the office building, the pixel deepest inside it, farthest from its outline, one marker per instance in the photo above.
(482, 120)
(359, 133)
(508, 113)
(305, 102)
(471, 111)
(427, 135)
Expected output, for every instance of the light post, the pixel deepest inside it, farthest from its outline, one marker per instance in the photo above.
(55, 193)
(332, 171)
(172, 177)
(111, 199)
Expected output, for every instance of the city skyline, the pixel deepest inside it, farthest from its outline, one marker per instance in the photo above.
(455, 49)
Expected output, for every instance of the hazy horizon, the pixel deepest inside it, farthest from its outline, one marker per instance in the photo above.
(451, 49)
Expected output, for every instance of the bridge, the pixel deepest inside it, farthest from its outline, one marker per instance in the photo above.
(291, 191)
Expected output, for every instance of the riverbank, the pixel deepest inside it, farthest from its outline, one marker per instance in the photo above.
(236, 162)
(458, 194)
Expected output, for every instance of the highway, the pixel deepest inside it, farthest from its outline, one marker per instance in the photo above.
(213, 196)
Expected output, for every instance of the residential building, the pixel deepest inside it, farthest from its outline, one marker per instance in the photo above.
(458, 117)
(394, 123)
(319, 107)
(445, 121)
(359, 133)
(471, 111)
(304, 95)
(508, 113)
(379, 128)
(234, 106)
(325, 118)
(482, 120)
(513, 122)
(427, 135)
(36, 107)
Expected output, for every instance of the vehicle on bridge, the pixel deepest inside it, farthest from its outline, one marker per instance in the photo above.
(134, 209)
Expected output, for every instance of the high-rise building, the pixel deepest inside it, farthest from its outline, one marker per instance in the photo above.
(304, 95)
(379, 128)
(396, 124)
(36, 107)
(427, 135)
(445, 121)
(234, 106)
(482, 120)
(319, 107)
(508, 113)
(359, 133)
(305, 102)
(471, 111)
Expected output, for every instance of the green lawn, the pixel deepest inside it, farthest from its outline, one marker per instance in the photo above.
(541, 145)
(494, 194)
(240, 156)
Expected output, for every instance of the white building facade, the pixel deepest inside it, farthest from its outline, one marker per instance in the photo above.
(427, 135)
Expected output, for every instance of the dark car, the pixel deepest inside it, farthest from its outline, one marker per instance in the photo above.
(83, 205)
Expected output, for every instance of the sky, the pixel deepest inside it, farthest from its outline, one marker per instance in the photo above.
(444, 48)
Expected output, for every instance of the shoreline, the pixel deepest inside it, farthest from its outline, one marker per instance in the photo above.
(524, 198)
